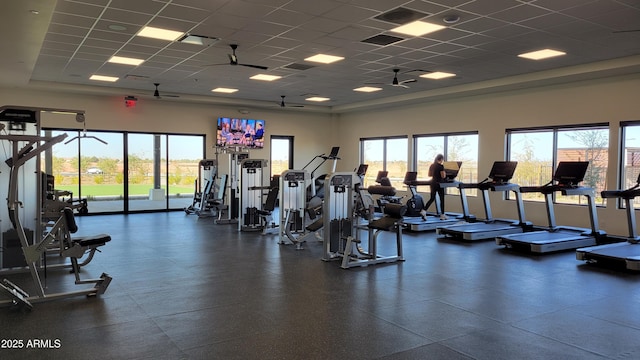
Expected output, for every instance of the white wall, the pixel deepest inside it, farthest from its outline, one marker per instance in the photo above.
(604, 100)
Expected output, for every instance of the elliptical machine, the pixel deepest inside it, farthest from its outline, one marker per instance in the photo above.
(416, 202)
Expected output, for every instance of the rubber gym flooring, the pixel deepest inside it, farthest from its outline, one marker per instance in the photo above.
(185, 288)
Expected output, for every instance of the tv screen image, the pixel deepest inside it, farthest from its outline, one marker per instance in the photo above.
(240, 132)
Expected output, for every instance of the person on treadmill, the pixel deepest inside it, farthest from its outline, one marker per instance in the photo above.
(438, 175)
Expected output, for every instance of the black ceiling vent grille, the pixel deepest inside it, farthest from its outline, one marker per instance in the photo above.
(401, 16)
(298, 66)
(382, 40)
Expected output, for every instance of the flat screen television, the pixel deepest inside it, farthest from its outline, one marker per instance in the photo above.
(240, 132)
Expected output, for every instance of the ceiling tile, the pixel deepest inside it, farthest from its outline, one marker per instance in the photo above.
(139, 6)
(311, 7)
(349, 13)
(485, 8)
(287, 17)
(127, 17)
(184, 13)
(78, 9)
(519, 13)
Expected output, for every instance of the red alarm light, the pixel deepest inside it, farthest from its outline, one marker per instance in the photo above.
(130, 101)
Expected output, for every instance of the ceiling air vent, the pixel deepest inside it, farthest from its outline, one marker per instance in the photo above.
(298, 66)
(400, 16)
(382, 40)
(136, 77)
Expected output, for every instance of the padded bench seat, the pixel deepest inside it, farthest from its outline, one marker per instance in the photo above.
(93, 240)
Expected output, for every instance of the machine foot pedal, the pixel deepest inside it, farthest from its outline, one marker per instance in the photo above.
(17, 295)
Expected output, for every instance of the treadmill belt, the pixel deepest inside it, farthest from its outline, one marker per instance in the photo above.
(545, 237)
(480, 226)
(625, 250)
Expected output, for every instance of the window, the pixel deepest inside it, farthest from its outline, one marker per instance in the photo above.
(630, 157)
(455, 147)
(124, 172)
(537, 152)
(385, 154)
(281, 154)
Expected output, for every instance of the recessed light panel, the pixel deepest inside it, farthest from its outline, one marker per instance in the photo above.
(224, 90)
(417, 28)
(541, 54)
(367, 89)
(325, 59)
(125, 60)
(317, 98)
(265, 77)
(437, 75)
(158, 33)
(198, 40)
(103, 78)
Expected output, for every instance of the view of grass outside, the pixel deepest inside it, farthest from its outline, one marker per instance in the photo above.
(96, 171)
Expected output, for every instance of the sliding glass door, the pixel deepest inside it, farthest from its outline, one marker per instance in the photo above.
(147, 171)
(125, 172)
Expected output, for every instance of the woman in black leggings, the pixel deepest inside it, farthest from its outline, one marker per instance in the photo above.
(438, 175)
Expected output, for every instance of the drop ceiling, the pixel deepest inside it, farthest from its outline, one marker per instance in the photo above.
(67, 41)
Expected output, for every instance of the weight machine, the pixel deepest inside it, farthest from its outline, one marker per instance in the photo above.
(232, 192)
(293, 207)
(205, 188)
(342, 227)
(251, 192)
(22, 129)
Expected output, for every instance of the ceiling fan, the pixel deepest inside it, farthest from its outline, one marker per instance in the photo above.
(233, 60)
(282, 104)
(398, 83)
(156, 93)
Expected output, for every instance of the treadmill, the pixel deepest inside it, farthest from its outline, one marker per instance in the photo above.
(498, 180)
(557, 238)
(416, 223)
(626, 254)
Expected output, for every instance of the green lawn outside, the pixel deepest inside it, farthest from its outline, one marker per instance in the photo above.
(118, 190)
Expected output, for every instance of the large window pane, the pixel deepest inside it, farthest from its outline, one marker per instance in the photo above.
(590, 145)
(147, 170)
(184, 155)
(426, 148)
(631, 158)
(534, 153)
(454, 147)
(102, 172)
(396, 161)
(372, 155)
(464, 148)
(281, 154)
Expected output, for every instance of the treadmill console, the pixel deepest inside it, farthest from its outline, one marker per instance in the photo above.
(570, 173)
(502, 171)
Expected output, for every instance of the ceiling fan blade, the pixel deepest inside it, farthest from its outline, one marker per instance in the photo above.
(282, 104)
(215, 64)
(401, 85)
(625, 31)
(407, 81)
(254, 66)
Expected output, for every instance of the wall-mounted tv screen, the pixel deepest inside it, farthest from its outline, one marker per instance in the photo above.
(240, 132)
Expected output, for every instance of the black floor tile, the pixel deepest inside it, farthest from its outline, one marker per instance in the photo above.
(185, 288)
